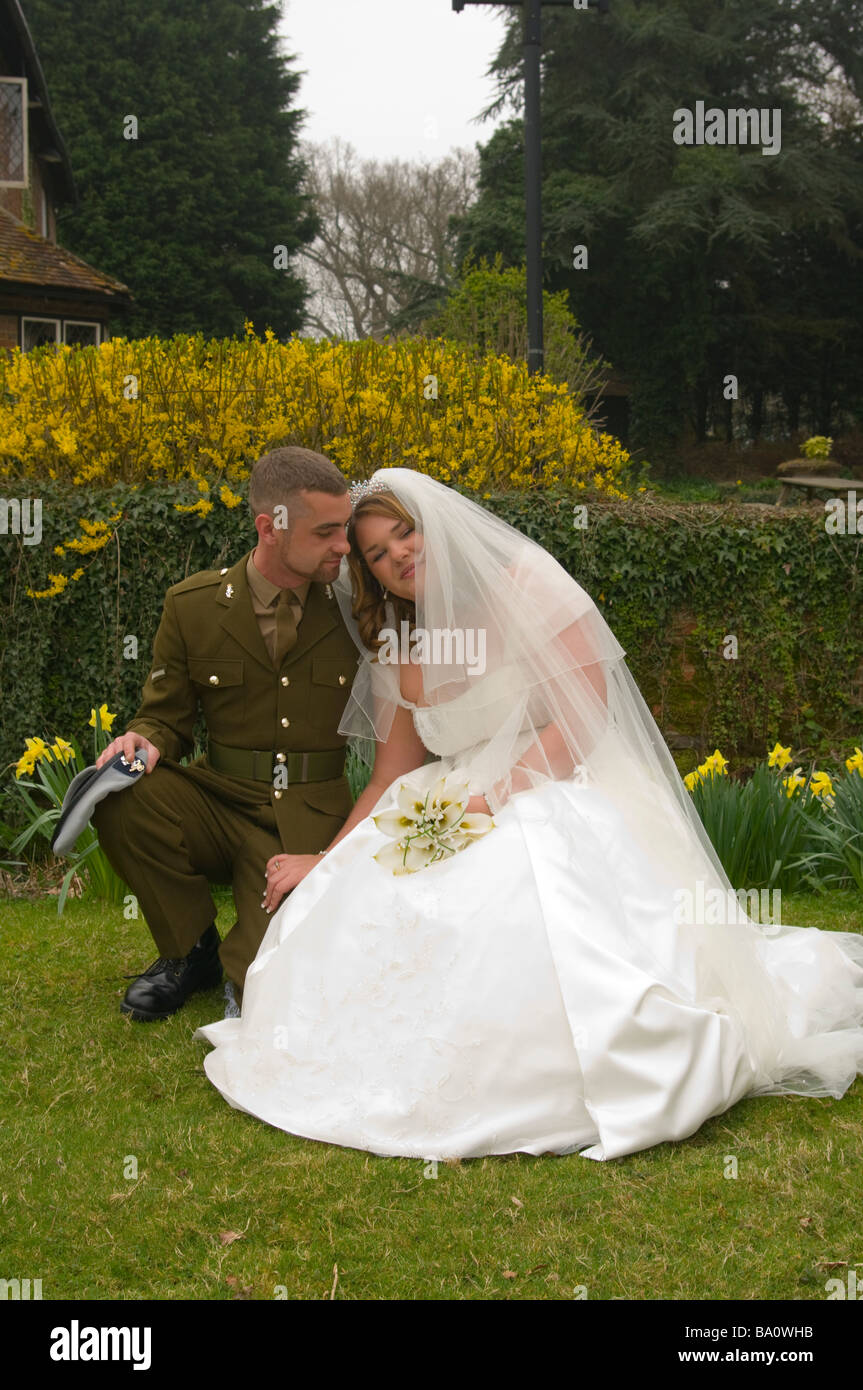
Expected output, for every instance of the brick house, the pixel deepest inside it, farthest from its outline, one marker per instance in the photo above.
(47, 294)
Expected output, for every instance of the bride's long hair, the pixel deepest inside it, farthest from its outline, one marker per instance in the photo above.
(369, 606)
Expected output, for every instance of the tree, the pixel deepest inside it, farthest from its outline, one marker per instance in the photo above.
(189, 213)
(704, 261)
(384, 255)
(487, 308)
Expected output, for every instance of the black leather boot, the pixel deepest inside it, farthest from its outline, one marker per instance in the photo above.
(166, 985)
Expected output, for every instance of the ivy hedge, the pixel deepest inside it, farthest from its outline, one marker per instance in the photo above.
(677, 583)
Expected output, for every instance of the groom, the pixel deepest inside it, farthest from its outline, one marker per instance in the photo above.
(262, 649)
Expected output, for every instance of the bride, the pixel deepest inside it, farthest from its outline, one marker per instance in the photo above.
(505, 948)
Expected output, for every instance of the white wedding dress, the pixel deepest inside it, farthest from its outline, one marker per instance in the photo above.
(533, 993)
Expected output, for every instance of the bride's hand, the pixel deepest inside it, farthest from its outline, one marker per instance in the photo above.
(284, 872)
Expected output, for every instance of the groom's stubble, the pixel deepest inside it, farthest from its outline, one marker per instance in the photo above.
(313, 543)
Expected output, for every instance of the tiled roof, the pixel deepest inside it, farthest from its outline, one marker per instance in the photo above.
(29, 259)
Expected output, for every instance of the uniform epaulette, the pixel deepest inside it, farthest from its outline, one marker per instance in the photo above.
(196, 581)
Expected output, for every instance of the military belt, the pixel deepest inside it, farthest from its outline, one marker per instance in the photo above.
(261, 766)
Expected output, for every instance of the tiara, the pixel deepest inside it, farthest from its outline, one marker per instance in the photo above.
(357, 491)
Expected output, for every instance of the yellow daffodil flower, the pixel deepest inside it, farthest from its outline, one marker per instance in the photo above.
(793, 782)
(63, 751)
(105, 719)
(778, 756)
(39, 749)
(855, 764)
(712, 765)
(820, 784)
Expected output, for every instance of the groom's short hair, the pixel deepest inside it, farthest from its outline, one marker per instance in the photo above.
(288, 470)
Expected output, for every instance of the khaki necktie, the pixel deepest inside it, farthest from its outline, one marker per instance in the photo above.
(286, 627)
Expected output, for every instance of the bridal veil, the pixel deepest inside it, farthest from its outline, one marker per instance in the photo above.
(521, 673)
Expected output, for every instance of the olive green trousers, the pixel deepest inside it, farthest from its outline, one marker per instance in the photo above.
(178, 829)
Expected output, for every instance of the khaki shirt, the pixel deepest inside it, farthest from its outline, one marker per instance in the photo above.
(265, 596)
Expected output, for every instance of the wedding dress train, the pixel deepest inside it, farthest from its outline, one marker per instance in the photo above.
(540, 991)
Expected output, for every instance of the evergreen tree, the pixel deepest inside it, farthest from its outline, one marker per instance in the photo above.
(187, 214)
(704, 261)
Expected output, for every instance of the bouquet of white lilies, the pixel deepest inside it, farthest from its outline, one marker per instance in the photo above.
(429, 826)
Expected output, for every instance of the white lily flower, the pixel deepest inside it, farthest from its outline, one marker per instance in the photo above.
(428, 826)
(477, 823)
(403, 859)
(410, 800)
(396, 823)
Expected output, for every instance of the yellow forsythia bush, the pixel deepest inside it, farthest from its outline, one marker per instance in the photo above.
(148, 409)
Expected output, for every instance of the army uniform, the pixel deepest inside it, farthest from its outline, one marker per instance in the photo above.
(272, 778)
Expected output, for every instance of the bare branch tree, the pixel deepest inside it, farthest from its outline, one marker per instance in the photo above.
(384, 256)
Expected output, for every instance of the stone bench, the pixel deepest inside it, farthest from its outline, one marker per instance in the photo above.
(815, 483)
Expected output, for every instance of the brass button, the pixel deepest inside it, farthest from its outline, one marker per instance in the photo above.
(285, 680)
(342, 680)
(285, 722)
(277, 795)
(224, 571)
(281, 758)
(214, 680)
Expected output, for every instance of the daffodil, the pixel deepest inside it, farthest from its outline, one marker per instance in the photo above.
(716, 762)
(428, 826)
(691, 780)
(778, 756)
(820, 784)
(793, 782)
(713, 764)
(63, 751)
(855, 764)
(105, 719)
(39, 749)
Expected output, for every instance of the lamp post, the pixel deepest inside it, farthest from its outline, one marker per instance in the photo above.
(533, 154)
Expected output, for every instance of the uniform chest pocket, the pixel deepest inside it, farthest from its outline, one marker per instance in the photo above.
(212, 673)
(329, 689)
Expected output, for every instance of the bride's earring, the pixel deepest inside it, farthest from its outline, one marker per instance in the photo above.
(386, 594)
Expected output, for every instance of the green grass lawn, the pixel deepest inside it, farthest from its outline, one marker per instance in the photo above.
(225, 1207)
(707, 490)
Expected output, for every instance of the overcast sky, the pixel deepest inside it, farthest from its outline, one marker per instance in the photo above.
(397, 78)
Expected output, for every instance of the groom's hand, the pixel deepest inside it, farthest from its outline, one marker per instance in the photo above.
(127, 744)
(284, 872)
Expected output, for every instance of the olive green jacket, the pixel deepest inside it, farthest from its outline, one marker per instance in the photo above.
(209, 653)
